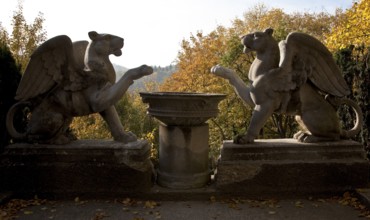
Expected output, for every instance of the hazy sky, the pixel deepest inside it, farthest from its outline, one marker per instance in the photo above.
(152, 29)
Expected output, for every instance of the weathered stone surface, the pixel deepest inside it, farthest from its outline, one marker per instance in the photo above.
(84, 167)
(182, 108)
(284, 166)
(183, 156)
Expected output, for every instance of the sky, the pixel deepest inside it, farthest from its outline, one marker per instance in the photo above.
(152, 29)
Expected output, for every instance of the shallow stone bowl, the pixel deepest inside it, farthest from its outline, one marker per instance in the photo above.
(182, 109)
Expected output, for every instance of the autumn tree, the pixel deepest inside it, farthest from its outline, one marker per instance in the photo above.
(24, 37)
(349, 40)
(352, 28)
(195, 59)
(4, 36)
(260, 17)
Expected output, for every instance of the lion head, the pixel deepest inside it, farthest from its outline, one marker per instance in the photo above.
(258, 41)
(105, 44)
(98, 51)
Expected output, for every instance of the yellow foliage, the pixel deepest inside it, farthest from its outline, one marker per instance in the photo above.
(196, 58)
(352, 28)
(90, 127)
(152, 138)
(132, 112)
(260, 17)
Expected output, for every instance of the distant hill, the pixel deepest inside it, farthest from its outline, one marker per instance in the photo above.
(120, 70)
(159, 75)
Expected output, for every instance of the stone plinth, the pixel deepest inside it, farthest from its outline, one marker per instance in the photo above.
(84, 167)
(183, 156)
(286, 167)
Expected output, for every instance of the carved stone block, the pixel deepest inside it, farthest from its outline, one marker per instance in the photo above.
(84, 167)
(286, 167)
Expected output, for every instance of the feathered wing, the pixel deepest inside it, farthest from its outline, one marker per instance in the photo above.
(51, 64)
(308, 58)
(79, 49)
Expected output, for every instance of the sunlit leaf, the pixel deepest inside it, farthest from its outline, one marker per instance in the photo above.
(27, 212)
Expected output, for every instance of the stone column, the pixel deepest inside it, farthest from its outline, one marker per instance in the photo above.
(183, 156)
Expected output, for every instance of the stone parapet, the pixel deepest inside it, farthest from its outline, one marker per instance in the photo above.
(286, 167)
(83, 167)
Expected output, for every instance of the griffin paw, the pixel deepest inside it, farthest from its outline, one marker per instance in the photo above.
(221, 71)
(139, 72)
(126, 137)
(243, 139)
(300, 136)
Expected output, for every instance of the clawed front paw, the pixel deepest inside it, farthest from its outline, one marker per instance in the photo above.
(243, 139)
(126, 137)
(304, 137)
(146, 70)
(221, 71)
(139, 72)
(300, 136)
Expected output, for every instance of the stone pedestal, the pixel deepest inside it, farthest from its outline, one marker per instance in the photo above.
(183, 134)
(183, 156)
(286, 167)
(84, 167)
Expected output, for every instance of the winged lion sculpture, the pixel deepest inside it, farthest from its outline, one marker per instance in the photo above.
(65, 79)
(297, 76)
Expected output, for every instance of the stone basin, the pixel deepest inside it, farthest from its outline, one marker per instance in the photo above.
(182, 108)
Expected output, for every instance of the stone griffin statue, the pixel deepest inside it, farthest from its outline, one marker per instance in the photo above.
(65, 79)
(297, 76)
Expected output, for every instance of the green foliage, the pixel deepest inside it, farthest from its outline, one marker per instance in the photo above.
(9, 79)
(133, 116)
(355, 65)
(234, 57)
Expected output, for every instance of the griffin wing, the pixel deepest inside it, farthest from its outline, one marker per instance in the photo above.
(79, 49)
(51, 65)
(304, 57)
